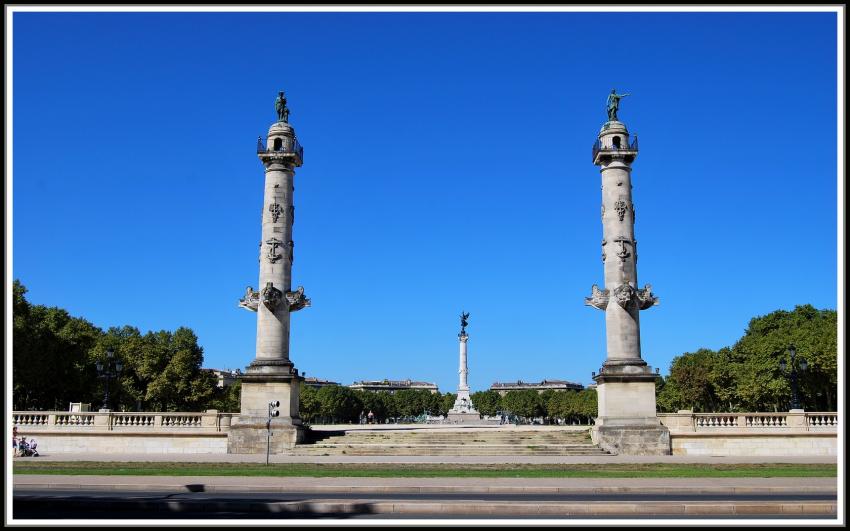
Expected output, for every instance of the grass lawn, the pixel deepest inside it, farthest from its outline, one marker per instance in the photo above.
(653, 470)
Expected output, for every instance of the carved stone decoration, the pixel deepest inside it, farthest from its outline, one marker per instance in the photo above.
(598, 298)
(603, 211)
(603, 257)
(623, 294)
(272, 255)
(621, 207)
(276, 211)
(645, 297)
(623, 253)
(291, 246)
(297, 300)
(251, 299)
(271, 296)
(292, 214)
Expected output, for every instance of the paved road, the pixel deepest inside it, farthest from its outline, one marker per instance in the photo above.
(50, 497)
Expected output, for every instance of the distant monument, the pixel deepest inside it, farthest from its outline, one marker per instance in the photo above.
(627, 422)
(463, 410)
(272, 376)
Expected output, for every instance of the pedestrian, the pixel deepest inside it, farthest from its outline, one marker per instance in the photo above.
(371, 417)
(33, 446)
(14, 441)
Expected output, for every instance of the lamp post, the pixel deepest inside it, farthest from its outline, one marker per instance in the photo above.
(273, 413)
(793, 373)
(111, 369)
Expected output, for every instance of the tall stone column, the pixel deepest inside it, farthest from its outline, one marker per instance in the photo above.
(463, 385)
(272, 376)
(463, 410)
(626, 421)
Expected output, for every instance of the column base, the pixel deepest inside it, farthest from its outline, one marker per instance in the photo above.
(471, 417)
(627, 422)
(635, 439)
(262, 384)
(250, 436)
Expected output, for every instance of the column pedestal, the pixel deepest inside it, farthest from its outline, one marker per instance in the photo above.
(248, 433)
(463, 412)
(627, 422)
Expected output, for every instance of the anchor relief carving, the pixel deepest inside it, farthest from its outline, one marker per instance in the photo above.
(273, 255)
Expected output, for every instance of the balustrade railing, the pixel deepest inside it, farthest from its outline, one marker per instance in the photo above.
(132, 420)
(822, 420)
(74, 419)
(122, 421)
(688, 421)
(598, 146)
(716, 421)
(285, 147)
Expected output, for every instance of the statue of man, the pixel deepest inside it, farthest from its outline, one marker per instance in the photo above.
(463, 322)
(280, 107)
(613, 104)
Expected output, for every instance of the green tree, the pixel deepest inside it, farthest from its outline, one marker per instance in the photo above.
(761, 386)
(308, 405)
(446, 402)
(338, 403)
(50, 351)
(486, 402)
(587, 405)
(227, 399)
(524, 403)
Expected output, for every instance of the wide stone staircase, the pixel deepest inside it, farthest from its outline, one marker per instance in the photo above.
(453, 441)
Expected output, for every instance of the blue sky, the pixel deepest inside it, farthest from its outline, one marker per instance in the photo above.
(447, 168)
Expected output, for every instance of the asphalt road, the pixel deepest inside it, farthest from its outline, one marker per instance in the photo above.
(108, 504)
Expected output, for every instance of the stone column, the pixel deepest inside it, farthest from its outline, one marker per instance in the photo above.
(272, 376)
(463, 385)
(627, 421)
(463, 410)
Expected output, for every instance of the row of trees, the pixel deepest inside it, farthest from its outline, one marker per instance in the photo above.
(55, 356)
(339, 404)
(747, 376)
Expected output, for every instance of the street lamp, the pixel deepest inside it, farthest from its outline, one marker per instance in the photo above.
(795, 368)
(273, 413)
(111, 369)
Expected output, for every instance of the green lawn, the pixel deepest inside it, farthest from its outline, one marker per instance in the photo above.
(429, 471)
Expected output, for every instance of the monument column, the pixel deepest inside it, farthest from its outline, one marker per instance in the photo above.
(627, 421)
(272, 376)
(463, 410)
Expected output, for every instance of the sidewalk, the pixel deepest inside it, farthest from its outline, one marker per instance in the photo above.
(423, 459)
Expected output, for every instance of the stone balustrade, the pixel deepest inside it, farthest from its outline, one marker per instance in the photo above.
(793, 433)
(688, 421)
(47, 421)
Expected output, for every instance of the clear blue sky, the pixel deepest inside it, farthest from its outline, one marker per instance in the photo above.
(447, 168)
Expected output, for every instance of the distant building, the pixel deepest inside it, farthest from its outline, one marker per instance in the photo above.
(226, 377)
(393, 385)
(317, 383)
(519, 385)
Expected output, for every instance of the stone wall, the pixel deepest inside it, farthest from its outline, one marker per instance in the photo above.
(795, 433)
(136, 433)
